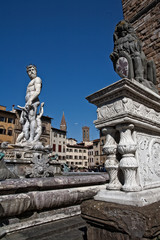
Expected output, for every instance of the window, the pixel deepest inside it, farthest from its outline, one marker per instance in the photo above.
(96, 153)
(84, 157)
(80, 157)
(64, 149)
(75, 150)
(9, 132)
(76, 157)
(54, 147)
(85, 163)
(2, 119)
(59, 148)
(2, 131)
(10, 120)
(80, 150)
(84, 151)
(59, 135)
(63, 158)
(55, 134)
(63, 136)
(43, 129)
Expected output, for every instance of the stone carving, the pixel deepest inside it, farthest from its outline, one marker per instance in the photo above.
(154, 152)
(111, 164)
(128, 58)
(40, 167)
(128, 163)
(126, 105)
(29, 119)
(5, 173)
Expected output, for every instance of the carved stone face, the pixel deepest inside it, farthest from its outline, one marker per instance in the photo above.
(32, 72)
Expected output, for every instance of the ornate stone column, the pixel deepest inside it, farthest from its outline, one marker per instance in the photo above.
(128, 163)
(111, 164)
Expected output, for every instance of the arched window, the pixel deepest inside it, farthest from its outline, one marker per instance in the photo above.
(9, 131)
(2, 130)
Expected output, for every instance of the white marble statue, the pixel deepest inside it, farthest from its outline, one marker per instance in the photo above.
(30, 120)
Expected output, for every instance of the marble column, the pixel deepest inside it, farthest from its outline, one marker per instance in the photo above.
(128, 163)
(111, 164)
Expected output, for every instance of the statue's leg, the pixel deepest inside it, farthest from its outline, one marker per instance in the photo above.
(32, 119)
(26, 130)
(138, 67)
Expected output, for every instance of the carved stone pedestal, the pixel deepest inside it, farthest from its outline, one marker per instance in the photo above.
(110, 221)
(128, 113)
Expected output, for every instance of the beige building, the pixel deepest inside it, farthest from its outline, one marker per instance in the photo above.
(76, 154)
(58, 143)
(7, 125)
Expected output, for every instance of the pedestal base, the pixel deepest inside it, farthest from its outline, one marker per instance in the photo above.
(113, 221)
(139, 199)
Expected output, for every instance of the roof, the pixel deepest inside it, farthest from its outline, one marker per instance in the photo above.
(7, 112)
(58, 130)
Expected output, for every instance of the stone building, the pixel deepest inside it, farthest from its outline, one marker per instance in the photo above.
(7, 125)
(76, 154)
(58, 143)
(144, 15)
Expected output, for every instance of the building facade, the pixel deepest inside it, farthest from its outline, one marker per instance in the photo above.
(7, 125)
(76, 154)
(58, 143)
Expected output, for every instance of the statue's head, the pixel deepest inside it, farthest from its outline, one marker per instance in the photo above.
(32, 71)
(123, 28)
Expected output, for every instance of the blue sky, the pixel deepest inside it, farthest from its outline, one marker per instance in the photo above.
(70, 42)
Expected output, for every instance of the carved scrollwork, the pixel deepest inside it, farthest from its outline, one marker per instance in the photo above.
(111, 164)
(128, 163)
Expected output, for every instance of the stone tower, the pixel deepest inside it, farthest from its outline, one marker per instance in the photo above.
(144, 16)
(63, 125)
(85, 132)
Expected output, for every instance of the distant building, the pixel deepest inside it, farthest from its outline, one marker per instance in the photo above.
(76, 154)
(85, 133)
(58, 141)
(96, 152)
(63, 125)
(7, 125)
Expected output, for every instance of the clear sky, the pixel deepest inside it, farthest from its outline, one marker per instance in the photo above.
(70, 42)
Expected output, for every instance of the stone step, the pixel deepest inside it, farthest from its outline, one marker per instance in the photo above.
(56, 230)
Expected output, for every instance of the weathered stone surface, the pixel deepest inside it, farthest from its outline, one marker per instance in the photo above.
(58, 182)
(114, 221)
(144, 16)
(72, 228)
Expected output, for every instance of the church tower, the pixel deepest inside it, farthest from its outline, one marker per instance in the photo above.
(63, 125)
(85, 132)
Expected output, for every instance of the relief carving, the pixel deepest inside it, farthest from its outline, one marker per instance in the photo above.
(127, 105)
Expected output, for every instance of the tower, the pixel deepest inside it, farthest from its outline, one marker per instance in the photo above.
(63, 125)
(85, 132)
